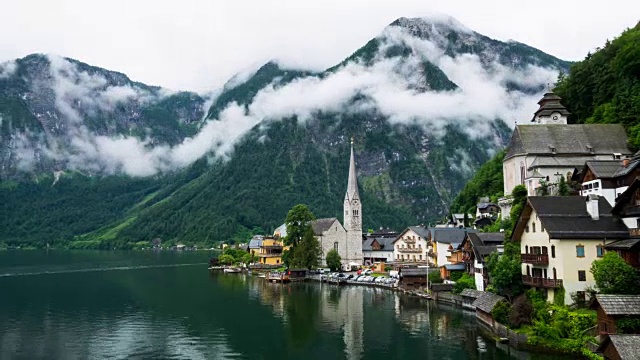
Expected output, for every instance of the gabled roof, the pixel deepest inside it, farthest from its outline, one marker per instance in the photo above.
(483, 243)
(619, 304)
(386, 243)
(566, 217)
(627, 345)
(455, 267)
(321, 225)
(420, 230)
(574, 139)
(255, 243)
(472, 293)
(623, 199)
(414, 272)
(487, 301)
(626, 244)
(449, 235)
(603, 169)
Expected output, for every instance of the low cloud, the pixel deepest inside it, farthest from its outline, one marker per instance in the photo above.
(7, 69)
(395, 87)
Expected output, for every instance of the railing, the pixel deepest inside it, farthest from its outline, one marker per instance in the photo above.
(541, 282)
(273, 247)
(411, 250)
(535, 259)
(269, 255)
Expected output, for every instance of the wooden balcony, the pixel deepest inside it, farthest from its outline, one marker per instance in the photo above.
(541, 282)
(535, 259)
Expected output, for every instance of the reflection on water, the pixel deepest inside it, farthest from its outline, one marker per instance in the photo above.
(157, 309)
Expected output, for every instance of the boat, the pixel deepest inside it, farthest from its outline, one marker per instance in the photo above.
(232, 270)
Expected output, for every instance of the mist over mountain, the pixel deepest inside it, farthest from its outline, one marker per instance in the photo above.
(426, 101)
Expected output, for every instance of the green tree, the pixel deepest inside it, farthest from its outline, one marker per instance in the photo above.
(614, 276)
(505, 271)
(298, 222)
(466, 281)
(226, 259)
(248, 258)
(286, 258)
(307, 251)
(563, 187)
(334, 261)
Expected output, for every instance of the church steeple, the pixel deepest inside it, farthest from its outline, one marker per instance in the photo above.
(352, 185)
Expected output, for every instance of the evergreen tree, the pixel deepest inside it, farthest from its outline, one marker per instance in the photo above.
(298, 222)
(307, 251)
(333, 260)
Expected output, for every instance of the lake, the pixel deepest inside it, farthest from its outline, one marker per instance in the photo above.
(146, 305)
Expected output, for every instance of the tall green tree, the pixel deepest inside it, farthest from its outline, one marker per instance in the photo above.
(307, 251)
(614, 276)
(334, 261)
(505, 271)
(226, 259)
(298, 222)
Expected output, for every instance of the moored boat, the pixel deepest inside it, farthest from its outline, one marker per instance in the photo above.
(232, 270)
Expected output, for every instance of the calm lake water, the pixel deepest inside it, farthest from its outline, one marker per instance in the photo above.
(143, 305)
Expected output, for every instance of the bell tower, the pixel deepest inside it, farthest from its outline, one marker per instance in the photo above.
(353, 216)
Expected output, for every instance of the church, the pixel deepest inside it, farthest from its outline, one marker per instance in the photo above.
(347, 239)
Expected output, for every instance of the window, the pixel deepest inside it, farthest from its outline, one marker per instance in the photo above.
(582, 275)
(526, 249)
(600, 250)
(580, 251)
(534, 227)
(522, 173)
(335, 246)
(638, 223)
(526, 228)
(553, 251)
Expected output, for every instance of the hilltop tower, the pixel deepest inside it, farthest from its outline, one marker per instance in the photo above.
(353, 217)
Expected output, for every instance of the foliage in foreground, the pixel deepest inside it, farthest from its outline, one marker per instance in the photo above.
(333, 260)
(466, 281)
(614, 276)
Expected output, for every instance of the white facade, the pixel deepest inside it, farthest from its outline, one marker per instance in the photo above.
(387, 255)
(443, 250)
(595, 187)
(332, 238)
(410, 246)
(566, 262)
(352, 218)
(478, 269)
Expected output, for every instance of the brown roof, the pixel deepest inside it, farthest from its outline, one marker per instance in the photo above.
(472, 293)
(619, 304)
(414, 272)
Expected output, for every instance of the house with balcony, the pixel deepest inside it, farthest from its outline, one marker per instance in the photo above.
(270, 252)
(607, 178)
(474, 250)
(412, 246)
(560, 236)
(378, 246)
(445, 242)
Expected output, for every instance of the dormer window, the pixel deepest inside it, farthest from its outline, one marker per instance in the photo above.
(617, 156)
(552, 148)
(591, 150)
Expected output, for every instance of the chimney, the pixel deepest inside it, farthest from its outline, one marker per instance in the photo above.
(592, 206)
(625, 162)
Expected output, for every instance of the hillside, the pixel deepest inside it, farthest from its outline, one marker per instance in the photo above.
(426, 102)
(604, 88)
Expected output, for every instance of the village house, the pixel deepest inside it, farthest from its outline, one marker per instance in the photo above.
(412, 245)
(484, 305)
(620, 347)
(378, 246)
(474, 250)
(541, 151)
(270, 252)
(627, 207)
(446, 270)
(612, 308)
(412, 278)
(607, 178)
(444, 242)
(560, 236)
(254, 244)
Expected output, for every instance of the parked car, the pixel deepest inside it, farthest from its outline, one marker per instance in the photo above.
(368, 272)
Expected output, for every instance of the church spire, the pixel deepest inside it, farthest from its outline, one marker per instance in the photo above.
(352, 185)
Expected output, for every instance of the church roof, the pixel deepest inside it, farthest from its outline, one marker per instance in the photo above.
(321, 225)
(549, 104)
(575, 139)
(352, 184)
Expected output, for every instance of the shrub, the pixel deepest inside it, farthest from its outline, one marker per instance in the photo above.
(501, 311)
(521, 312)
(434, 277)
(466, 281)
(628, 325)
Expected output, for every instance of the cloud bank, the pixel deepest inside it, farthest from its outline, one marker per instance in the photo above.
(394, 87)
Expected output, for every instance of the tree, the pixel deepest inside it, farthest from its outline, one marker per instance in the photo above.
(505, 271)
(307, 251)
(298, 222)
(614, 276)
(248, 258)
(563, 187)
(334, 261)
(543, 189)
(286, 258)
(226, 259)
(466, 281)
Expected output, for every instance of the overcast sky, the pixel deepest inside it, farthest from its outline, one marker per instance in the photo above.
(199, 44)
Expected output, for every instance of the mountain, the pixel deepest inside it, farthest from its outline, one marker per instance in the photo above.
(426, 102)
(604, 88)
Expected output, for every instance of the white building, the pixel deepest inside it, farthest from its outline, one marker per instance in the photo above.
(412, 245)
(549, 148)
(346, 240)
(476, 247)
(378, 246)
(608, 178)
(445, 242)
(560, 237)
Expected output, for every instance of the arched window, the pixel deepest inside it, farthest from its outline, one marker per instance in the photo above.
(335, 246)
(522, 173)
(555, 274)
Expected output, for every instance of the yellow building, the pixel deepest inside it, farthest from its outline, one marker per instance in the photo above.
(270, 252)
